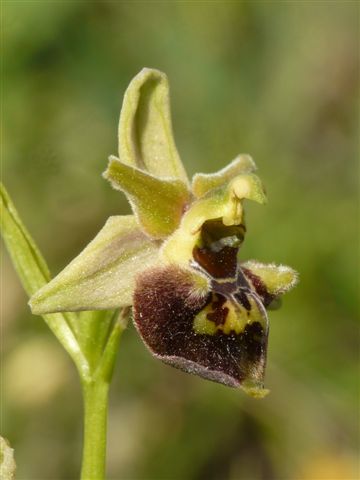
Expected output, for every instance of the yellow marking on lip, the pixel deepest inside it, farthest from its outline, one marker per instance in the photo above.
(202, 324)
(236, 319)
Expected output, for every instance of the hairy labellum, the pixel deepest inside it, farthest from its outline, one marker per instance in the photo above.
(219, 334)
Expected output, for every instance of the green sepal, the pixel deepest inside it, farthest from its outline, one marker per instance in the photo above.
(103, 275)
(202, 183)
(145, 132)
(157, 203)
(277, 279)
(224, 203)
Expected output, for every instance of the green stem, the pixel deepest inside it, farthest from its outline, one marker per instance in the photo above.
(95, 396)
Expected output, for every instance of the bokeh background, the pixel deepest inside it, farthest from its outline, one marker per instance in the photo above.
(278, 80)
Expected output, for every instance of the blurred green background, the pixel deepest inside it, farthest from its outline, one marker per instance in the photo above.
(277, 80)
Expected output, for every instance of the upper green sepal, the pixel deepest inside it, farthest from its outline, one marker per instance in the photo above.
(157, 203)
(145, 132)
(103, 275)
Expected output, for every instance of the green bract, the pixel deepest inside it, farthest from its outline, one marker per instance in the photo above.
(176, 259)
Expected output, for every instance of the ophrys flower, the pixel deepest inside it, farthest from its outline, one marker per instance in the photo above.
(176, 260)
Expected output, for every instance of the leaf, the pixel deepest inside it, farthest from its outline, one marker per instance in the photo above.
(103, 274)
(145, 132)
(157, 203)
(27, 259)
(34, 274)
(202, 183)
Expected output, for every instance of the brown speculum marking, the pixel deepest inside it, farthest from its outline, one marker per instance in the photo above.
(216, 256)
(219, 313)
(221, 264)
(217, 250)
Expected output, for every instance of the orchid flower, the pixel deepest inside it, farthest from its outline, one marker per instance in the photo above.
(176, 260)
